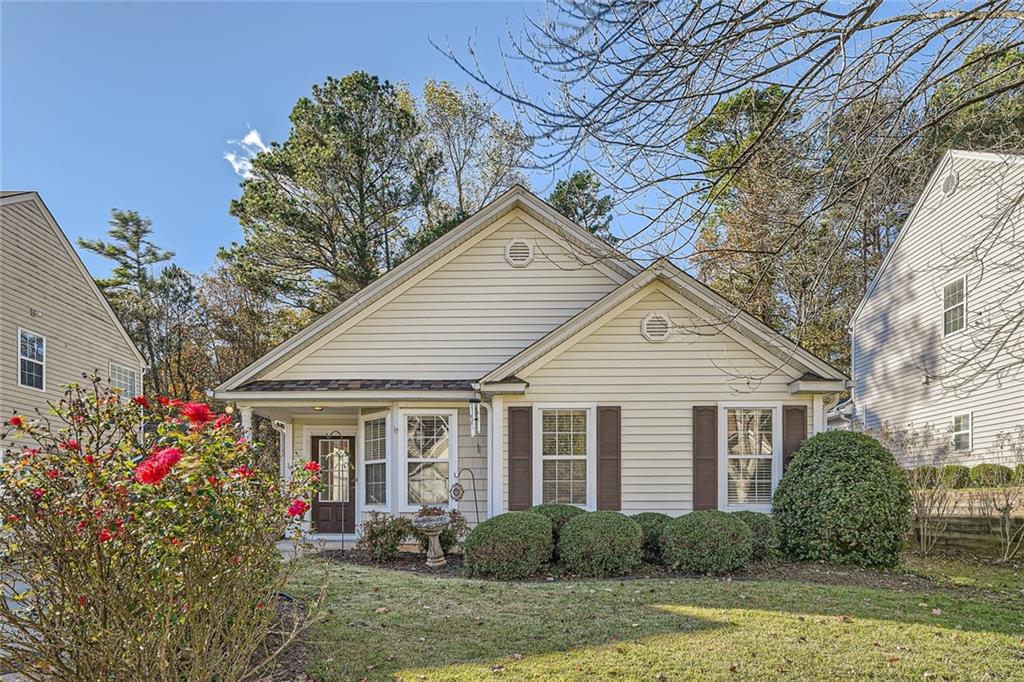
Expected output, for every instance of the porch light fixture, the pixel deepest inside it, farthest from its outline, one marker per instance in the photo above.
(318, 408)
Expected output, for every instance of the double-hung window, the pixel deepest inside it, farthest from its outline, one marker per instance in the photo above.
(564, 456)
(124, 378)
(31, 359)
(954, 306)
(962, 432)
(375, 461)
(751, 456)
(429, 457)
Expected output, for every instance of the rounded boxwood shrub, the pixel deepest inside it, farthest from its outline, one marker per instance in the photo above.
(707, 541)
(559, 514)
(844, 500)
(955, 476)
(1020, 474)
(764, 532)
(508, 546)
(601, 543)
(991, 476)
(924, 477)
(651, 525)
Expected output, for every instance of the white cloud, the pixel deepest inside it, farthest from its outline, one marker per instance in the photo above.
(244, 150)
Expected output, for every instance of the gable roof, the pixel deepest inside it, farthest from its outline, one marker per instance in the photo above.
(749, 327)
(11, 197)
(949, 157)
(585, 245)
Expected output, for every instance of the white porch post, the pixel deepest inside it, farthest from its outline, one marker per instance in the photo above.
(819, 414)
(495, 445)
(286, 454)
(245, 412)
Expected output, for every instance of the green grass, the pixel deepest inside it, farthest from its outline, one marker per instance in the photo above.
(1002, 579)
(386, 624)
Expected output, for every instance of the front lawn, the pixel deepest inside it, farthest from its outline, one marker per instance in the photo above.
(800, 623)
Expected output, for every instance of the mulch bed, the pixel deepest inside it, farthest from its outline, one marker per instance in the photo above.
(411, 562)
(290, 665)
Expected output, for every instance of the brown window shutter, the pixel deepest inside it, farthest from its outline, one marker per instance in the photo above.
(520, 458)
(609, 457)
(794, 431)
(705, 457)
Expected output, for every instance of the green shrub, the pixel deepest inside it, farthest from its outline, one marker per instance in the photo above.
(651, 525)
(1020, 474)
(601, 543)
(765, 540)
(843, 500)
(955, 476)
(707, 541)
(450, 536)
(382, 534)
(559, 514)
(924, 477)
(508, 546)
(991, 476)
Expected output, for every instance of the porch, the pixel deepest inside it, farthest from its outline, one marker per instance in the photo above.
(389, 451)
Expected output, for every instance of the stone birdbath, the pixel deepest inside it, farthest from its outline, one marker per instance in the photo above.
(431, 526)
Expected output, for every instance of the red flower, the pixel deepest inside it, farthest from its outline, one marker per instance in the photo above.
(222, 421)
(105, 535)
(214, 481)
(142, 401)
(16, 421)
(31, 452)
(243, 471)
(69, 444)
(298, 507)
(175, 541)
(197, 413)
(37, 493)
(82, 600)
(81, 525)
(52, 474)
(13, 518)
(312, 466)
(163, 400)
(154, 468)
(89, 459)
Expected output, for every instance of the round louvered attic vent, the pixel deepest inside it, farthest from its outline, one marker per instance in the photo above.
(950, 182)
(519, 253)
(655, 327)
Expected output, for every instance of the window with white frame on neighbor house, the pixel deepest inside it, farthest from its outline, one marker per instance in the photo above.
(749, 453)
(31, 359)
(124, 378)
(962, 432)
(954, 306)
(428, 443)
(563, 441)
(375, 473)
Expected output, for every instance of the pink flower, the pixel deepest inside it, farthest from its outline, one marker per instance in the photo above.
(222, 421)
(105, 535)
(69, 444)
(89, 459)
(31, 452)
(52, 474)
(37, 493)
(312, 466)
(16, 421)
(142, 401)
(154, 468)
(243, 471)
(298, 507)
(197, 413)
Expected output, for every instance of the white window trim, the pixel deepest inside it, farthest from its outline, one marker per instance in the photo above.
(961, 278)
(538, 460)
(138, 377)
(723, 443)
(403, 456)
(969, 431)
(22, 330)
(361, 503)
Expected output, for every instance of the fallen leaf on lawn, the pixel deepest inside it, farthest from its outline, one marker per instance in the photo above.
(634, 625)
(894, 659)
(497, 668)
(382, 609)
(845, 619)
(518, 657)
(733, 668)
(936, 612)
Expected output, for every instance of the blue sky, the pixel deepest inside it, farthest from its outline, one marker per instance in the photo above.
(133, 105)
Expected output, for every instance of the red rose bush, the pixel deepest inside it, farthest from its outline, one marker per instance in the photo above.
(139, 541)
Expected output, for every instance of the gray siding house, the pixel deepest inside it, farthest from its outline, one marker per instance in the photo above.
(939, 336)
(519, 360)
(55, 324)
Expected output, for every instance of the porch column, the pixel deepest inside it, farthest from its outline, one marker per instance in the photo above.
(819, 414)
(245, 412)
(495, 446)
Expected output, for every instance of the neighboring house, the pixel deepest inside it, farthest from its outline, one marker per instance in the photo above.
(529, 361)
(55, 324)
(939, 338)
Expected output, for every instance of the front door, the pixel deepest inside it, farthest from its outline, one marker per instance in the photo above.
(334, 509)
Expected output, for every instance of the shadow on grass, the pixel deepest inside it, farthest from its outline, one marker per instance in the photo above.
(385, 623)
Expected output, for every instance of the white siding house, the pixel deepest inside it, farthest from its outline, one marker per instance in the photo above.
(939, 336)
(528, 361)
(55, 324)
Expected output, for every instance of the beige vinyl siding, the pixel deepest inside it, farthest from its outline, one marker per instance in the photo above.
(42, 289)
(656, 385)
(473, 457)
(460, 320)
(899, 334)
